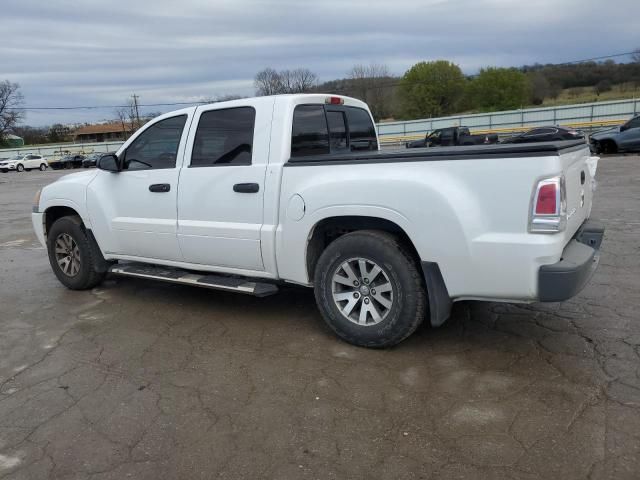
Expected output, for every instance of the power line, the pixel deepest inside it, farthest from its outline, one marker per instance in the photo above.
(395, 83)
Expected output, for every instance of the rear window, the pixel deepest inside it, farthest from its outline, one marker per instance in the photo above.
(318, 130)
(310, 135)
(362, 132)
(337, 131)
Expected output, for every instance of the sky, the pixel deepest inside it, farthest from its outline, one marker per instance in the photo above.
(98, 53)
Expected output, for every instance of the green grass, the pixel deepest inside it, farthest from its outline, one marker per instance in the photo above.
(571, 96)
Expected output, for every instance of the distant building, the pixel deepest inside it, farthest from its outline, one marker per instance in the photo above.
(100, 133)
(13, 141)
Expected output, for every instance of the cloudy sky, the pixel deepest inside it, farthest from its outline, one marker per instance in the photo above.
(88, 52)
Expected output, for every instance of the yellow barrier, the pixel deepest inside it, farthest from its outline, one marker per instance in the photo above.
(599, 123)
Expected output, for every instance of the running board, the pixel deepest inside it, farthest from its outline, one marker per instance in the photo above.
(184, 277)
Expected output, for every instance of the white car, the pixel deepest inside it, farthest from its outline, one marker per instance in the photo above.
(248, 194)
(22, 162)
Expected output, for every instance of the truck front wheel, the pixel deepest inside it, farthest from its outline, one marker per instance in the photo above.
(369, 289)
(71, 256)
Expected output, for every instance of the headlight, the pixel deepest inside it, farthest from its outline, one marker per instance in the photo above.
(36, 202)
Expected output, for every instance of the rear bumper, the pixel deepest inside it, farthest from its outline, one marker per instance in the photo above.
(564, 279)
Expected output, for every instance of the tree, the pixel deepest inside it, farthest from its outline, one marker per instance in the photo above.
(603, 86)
(299, 80)
(11, 101)
(271, 82)
(372, 84)
(499, 89)
(58, 133)
(268, 82)
(127, 116)
(635, 56)
(431, 89)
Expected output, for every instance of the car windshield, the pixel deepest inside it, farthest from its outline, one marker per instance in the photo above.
(15, 157)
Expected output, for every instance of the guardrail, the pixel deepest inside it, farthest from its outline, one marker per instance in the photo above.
(58, 150)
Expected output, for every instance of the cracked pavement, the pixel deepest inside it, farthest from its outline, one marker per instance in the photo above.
(139, 379)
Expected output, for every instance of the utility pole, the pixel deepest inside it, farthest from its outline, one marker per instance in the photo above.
(135, 105)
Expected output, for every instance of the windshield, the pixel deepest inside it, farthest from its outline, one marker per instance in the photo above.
(15, 157)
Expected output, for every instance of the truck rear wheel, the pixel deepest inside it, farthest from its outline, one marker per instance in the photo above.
(71, 255)
(369, 289)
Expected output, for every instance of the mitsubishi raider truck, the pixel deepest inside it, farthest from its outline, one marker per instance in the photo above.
(250, 194)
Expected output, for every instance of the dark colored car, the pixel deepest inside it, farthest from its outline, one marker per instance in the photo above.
(66, 162)
(625, 138)
(91, 160)
(451, 136)
(545, 134)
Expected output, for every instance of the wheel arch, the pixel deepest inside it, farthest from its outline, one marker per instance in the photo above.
(329, 229)
(53, 213)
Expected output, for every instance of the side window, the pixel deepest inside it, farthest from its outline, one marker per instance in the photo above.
(309, 135)
(362, 132)
(337, 131)
(156, 147)
(634, 123)
(224, 137)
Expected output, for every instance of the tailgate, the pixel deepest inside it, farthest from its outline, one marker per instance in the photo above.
(578, 168)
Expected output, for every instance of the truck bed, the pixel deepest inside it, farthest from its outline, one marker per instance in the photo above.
(473, 152)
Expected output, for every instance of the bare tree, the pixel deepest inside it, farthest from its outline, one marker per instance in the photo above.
(268, 82)
(128, 117)
(371, 83)
(299, 80)
(272, 82)
(11, 114)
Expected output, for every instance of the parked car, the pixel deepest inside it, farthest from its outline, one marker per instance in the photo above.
(67, 162)
(625, 138)
(92, 159)
(245, 195)
(445, 137)
(22, 162)
(545, 134)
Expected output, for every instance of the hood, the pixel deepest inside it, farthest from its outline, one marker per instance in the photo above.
(78, 178)
(606, 131)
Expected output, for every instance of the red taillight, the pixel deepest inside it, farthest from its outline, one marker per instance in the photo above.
(546, 203)
(549, 206)
(334, 101)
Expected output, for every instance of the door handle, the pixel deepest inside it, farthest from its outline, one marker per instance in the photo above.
(160, 187)
(246, 188)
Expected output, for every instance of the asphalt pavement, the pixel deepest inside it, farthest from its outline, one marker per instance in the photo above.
(146, 380)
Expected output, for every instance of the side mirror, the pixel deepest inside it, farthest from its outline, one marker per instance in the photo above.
(109, 163)
(624, 127)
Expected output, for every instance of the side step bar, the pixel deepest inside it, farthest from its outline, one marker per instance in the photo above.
(185, 277)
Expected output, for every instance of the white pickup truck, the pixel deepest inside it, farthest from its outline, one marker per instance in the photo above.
(248, 194)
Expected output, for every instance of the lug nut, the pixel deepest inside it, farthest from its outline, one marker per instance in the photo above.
(366, 281)
(366, 300)
(356, 283)
(356, 295)
(373, 291)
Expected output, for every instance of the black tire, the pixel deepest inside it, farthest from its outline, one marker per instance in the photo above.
(88, 275)
(409, 301)
(43, 167)
(20, 168)
(608, 147)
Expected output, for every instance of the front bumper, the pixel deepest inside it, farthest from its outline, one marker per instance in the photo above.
(4, 168)
(37, 219)
(564, 279)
